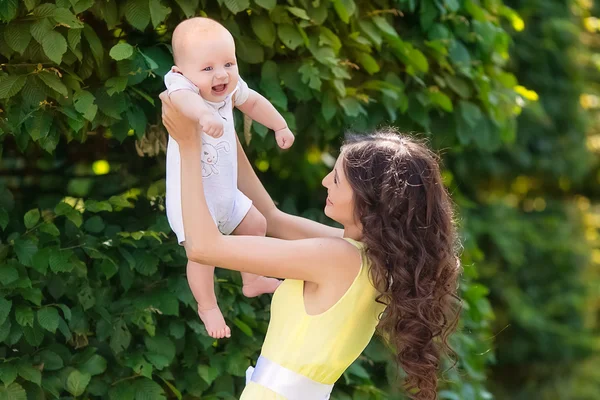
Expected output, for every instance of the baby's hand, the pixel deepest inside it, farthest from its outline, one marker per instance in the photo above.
(285, 138)
(211, 125)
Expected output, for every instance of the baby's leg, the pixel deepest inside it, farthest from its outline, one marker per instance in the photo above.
(201, 280)
(255, 224)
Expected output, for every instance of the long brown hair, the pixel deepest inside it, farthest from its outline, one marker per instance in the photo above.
(410, 239)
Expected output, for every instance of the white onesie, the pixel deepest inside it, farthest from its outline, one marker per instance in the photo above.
(227, 205)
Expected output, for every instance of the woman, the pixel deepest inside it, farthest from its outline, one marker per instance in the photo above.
(393, 266)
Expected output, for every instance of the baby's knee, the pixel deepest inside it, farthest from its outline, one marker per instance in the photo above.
(259, 225)
(254, 224)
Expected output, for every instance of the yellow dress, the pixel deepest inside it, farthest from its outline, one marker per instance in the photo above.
(320, 347)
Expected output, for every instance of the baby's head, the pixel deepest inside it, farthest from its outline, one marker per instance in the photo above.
(204, 52)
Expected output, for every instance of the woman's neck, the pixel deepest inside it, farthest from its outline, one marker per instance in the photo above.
(353, 232)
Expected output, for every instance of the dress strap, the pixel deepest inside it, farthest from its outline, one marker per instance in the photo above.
(356, 243)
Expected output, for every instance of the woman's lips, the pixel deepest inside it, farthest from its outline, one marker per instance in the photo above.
(329, 202)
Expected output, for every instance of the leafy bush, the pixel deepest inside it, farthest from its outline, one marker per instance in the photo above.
(92, 278)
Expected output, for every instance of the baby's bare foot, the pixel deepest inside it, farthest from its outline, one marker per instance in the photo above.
(260, 285)
(214, 322)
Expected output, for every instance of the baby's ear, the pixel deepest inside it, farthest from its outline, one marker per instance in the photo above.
(176, 69)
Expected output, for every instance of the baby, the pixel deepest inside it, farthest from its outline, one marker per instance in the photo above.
(205, 85)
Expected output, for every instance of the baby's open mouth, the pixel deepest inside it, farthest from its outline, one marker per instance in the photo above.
(219, 89)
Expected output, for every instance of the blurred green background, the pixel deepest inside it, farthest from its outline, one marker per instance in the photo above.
(93, 297)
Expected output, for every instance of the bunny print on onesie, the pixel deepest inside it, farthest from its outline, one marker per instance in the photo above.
(210, 157)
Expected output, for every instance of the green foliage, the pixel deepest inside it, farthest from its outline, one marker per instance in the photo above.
(94, 279)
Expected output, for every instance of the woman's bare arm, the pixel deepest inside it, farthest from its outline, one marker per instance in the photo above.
(279, 224)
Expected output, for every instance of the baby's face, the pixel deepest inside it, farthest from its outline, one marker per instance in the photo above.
(211, 65)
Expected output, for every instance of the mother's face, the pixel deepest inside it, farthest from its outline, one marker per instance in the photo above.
(340, 196)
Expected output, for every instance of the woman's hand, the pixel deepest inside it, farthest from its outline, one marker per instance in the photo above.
(184, 130)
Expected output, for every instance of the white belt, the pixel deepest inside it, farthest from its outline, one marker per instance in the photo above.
(285, 382)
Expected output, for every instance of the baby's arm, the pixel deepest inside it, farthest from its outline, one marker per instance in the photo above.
(262, 111)
(186, 98)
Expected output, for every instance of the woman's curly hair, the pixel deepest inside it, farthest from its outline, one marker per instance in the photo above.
(410, 239)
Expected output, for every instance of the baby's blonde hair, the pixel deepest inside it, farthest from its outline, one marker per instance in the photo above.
(196, 28)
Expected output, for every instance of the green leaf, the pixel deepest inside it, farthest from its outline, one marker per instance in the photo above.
(264, 29)
(368, 63)
(121, 338)
(53, 82)
(50, 229)
(84, 104)
(208, 373)
(188, 6)
(44, 10)
(352, 107)
(418, 60)
(243, 327)
(29, 373)
(77, 382)
(137, 13)
(146, 389)
(146, 263)
(143, 368)
(250, 51)
(24, 316)
(8, 10)
(236, 6)
(40, 29)
(66, 18)
(51, 360)
(17, 36)
(3, 218)
(161, 345)
(8, 275)
(48, 318)
(8, 373)
(310, 75)
(289, 36)
(59, 261)
(298, 12)
(271, 85)
(5, 330)
(95, 44)
(459, 86)
(10, 85)
(370, 30)
(94, 224)
(40, 261)
(471, 113)
(38, 126)
(97, 206)
(385, 26)
(116, 84)
(86, 298)
(55, 46)
(158, 12)
(122, 391)
(95, 365)
(266, 4)
(345, 9)
(121, 51)
(13, 392)
(25, 249)
(442, 100)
